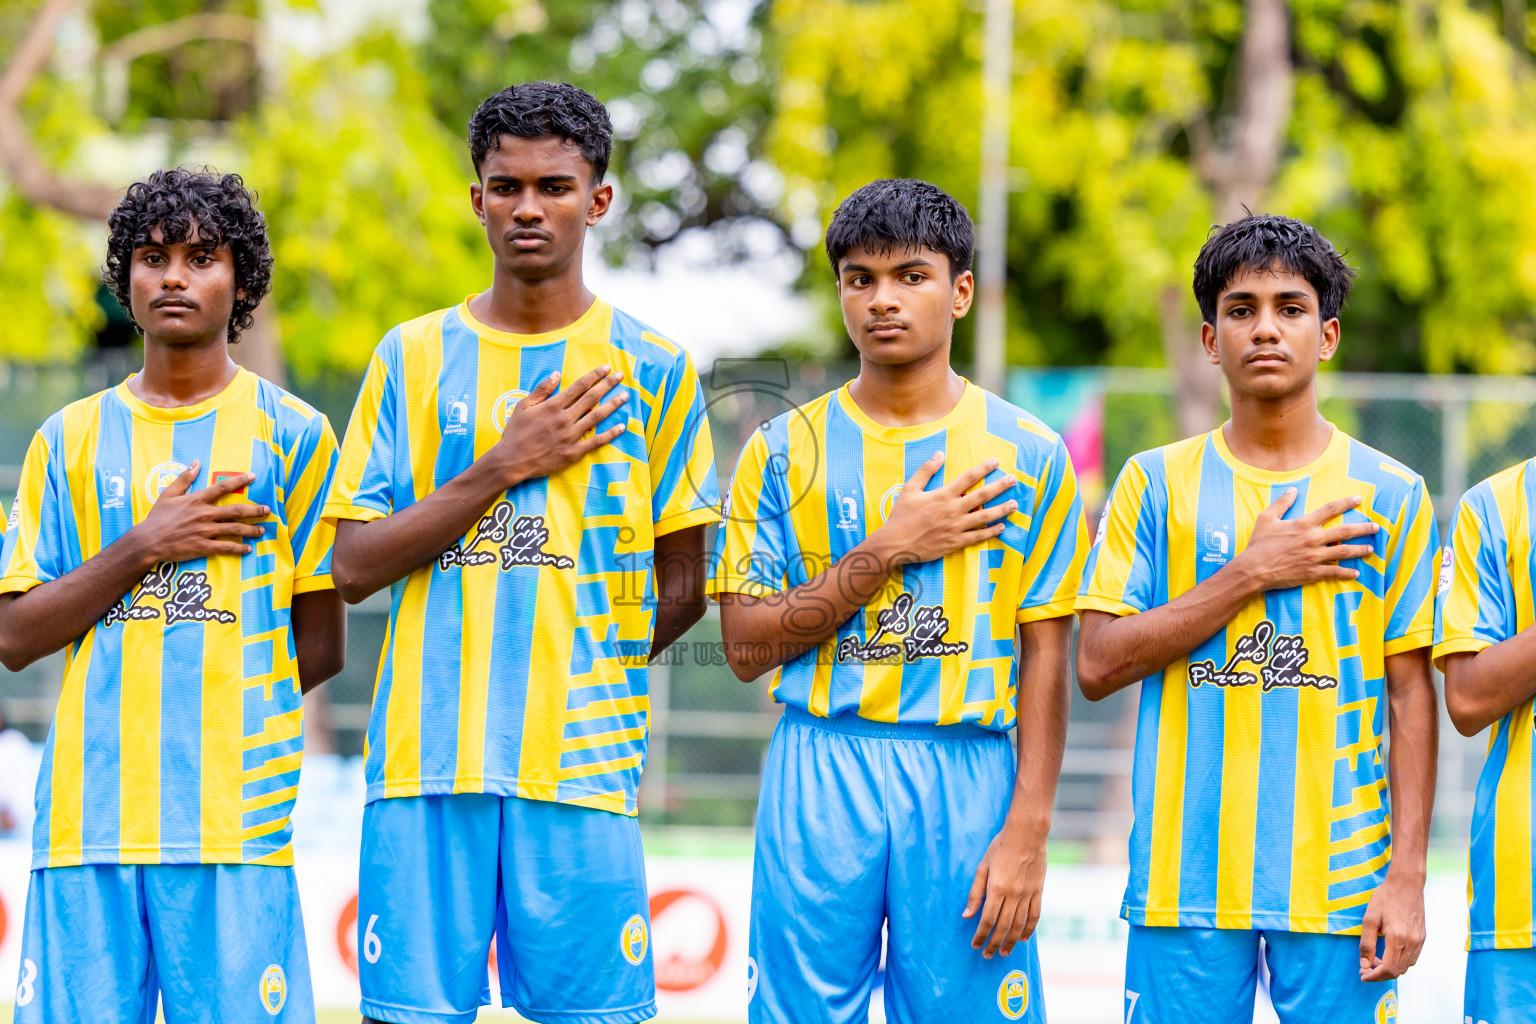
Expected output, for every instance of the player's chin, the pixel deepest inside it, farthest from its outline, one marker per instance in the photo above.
(1270, 381)
(180, 327)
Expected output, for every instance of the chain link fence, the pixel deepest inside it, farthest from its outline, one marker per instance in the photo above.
(710, 731)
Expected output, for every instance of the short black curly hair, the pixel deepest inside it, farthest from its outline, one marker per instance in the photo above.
(902, 213)
(177, 200)
(537, 109)
(1267, 242)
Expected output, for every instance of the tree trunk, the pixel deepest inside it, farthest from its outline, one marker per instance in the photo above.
(1238, 174)
(260, 349)
(1196, 383)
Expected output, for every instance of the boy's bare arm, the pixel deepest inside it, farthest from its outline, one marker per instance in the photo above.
(1115, 651)
(544, 434)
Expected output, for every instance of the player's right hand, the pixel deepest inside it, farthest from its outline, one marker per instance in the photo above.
(182, 526)
(1290, 552)
(545, 434)
(925, 525)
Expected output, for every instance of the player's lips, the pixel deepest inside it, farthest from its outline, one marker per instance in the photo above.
(1267, 359)
(527, 240)
(885, 328)
(172, 303)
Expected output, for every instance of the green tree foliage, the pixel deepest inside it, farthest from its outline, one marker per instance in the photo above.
(357, 149)
(1412, 143)
(367, 195)
(684, 80)
(49, 262)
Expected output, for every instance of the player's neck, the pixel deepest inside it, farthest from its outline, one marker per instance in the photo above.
(908, 394)
(533, 306)
(184, 373)
(1277, 434)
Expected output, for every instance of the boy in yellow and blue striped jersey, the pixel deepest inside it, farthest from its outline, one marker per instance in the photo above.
(889, 550)
(1483, 644)
(1269, 584)
(167, 534)
(540, 546)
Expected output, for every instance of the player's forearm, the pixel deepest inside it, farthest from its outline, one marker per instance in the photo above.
(319, 620)
(680, 600)
(1115, 651)
(53, 615)
(371, 556)
(761, 634)
(1044, 700)
(1414, 724)
(1482, 688)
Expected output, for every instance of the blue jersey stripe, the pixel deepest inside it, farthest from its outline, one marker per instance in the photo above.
(925, 582)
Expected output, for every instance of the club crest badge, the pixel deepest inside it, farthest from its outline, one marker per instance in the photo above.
(634, 940)
(274, 989)
(1013, 995)
(502, 410)
(160, 478)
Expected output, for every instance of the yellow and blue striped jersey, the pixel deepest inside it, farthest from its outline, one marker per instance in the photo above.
(1259, 785)
(180, 727)
(515, 663)
(937, 645)
(1486, 596)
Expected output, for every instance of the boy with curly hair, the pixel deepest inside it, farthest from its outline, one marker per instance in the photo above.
(167, 534)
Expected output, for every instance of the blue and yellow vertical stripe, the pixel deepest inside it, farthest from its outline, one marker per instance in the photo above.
(813, 483)
(179, 731)
(516, 664)
(1259, 784)
(1486, 597)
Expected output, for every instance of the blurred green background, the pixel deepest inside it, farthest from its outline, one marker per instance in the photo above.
(1405, 130)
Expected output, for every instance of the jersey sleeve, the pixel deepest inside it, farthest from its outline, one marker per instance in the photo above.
(39, 534)
(1412, 553)
(1057, 544)
(1475, 606)
(1122, 569)
(751, 548)
(364, 484)
(685, 490)
(312, 468)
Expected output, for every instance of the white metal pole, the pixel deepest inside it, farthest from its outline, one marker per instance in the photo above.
(992, 240)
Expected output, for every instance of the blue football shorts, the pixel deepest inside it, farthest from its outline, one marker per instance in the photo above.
(1211, 976)
(862, 826)
(561, 887)
(1501, 987)
(215, 942)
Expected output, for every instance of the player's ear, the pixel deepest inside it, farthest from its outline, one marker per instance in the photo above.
(1208, 340)
(477, 200)
(964, 293)
(1330, 340)
(602, 201)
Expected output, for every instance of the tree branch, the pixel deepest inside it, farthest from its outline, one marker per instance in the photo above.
(1239, 176)
(20, 158)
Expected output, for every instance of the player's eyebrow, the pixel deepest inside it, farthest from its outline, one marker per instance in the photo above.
(545, 179)
(1291, 296)
(850, 268)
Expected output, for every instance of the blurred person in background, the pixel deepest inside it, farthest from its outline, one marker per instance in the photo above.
(18, 773)
(1487, 603)
(541, 544)
(902, 554)
(167, 532)
(1270, 585)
